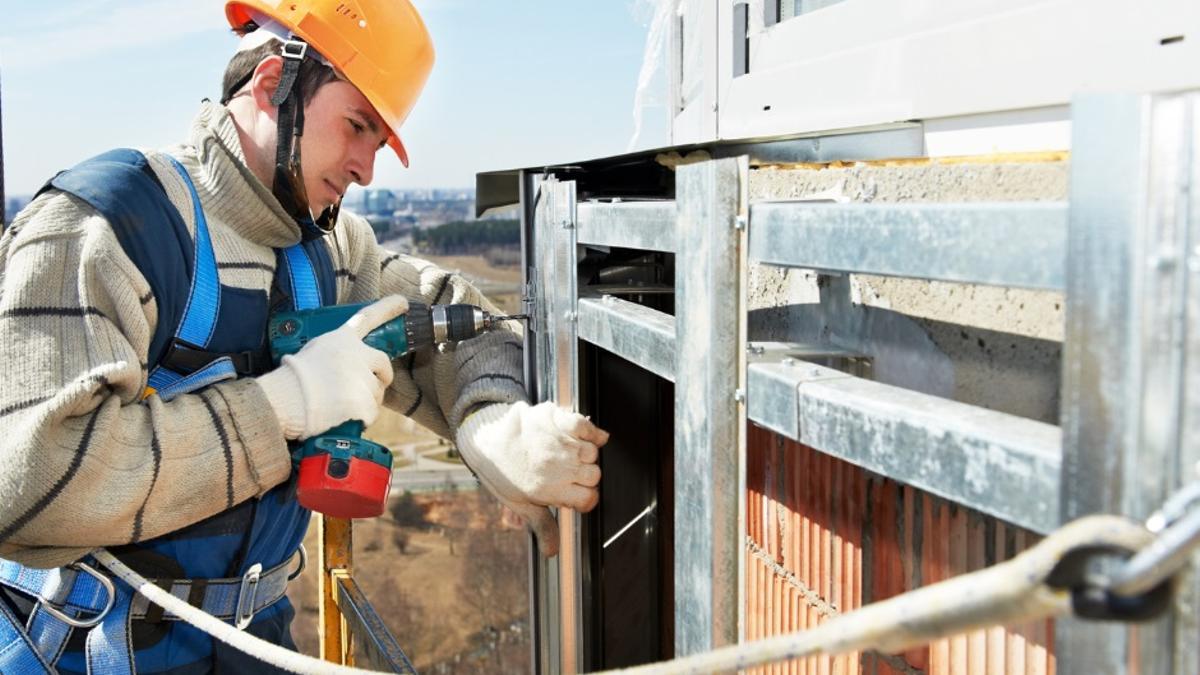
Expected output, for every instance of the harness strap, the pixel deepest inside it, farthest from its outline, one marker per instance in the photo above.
(306, 294)
(84, 594)
(199, 315)
(86, 599)
(227, 599)
(109, 646)
(185, 358)
(18, 653)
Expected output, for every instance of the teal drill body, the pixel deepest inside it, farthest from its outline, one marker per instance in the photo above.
(290, 331)
(340, 473)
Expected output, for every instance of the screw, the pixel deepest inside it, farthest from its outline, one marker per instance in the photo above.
(739, 395)
(739, 223)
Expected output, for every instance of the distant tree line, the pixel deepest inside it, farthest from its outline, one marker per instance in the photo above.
(469, 236)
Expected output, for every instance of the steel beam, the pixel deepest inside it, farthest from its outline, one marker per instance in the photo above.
(1131, 372)
(1000, 464)
(648, 226)
(709, 427)
(643, 336)
(1009, 244)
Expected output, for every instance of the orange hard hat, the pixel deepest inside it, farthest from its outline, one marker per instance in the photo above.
(380, 46)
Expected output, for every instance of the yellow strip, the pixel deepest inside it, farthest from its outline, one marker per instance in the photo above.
(995, 158)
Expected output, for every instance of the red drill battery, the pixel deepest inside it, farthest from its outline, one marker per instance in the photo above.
(344, 476)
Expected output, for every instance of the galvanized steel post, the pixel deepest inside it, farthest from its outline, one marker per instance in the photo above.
(558, 361)
(710, 426)
(1131, 379)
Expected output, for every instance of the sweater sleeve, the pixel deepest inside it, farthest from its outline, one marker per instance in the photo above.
(87, 463)
(437, 388)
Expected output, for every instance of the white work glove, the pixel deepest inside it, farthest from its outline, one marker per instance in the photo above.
(334, 378)
(531, 457)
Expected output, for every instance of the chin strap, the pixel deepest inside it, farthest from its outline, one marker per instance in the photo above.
(288, 183)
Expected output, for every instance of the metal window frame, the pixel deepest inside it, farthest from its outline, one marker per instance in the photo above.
(697, 120)
(911, 52)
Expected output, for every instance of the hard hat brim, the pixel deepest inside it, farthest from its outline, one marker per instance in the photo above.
(396, 144)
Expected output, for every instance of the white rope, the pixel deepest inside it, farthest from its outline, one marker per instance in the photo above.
(1009, 593)
(280, 657)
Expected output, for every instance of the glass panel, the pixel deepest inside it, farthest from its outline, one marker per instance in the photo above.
(691, 52)
(794, 8)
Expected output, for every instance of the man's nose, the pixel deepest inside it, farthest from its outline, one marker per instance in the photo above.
(362, 166)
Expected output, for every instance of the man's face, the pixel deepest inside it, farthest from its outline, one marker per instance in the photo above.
(342, 133)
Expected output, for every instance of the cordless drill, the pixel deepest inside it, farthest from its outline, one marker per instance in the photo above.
(342, 474)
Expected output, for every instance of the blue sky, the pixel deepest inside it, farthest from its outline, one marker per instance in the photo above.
(517, 83)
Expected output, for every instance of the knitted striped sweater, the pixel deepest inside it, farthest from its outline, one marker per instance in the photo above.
(83, 462)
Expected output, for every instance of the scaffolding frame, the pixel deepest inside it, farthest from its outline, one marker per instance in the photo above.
(1128, 237)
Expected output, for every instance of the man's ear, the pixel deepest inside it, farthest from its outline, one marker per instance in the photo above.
(265, 81)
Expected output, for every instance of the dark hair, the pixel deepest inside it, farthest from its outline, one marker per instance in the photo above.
(313, 73)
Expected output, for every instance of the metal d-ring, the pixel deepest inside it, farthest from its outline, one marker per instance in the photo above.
(303, 562)
(95, 620)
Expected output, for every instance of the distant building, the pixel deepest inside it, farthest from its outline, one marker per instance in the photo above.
(13, 206)
(396, 213)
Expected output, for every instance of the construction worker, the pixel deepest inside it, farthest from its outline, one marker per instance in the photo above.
(139, 409)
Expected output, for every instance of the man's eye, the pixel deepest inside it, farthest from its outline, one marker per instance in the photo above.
(358, 128)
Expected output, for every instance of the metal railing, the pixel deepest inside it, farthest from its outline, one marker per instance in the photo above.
(350, 631)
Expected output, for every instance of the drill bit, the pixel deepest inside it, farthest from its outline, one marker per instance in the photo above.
(491, 320)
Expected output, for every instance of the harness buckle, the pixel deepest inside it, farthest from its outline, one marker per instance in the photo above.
(244, 611)
(95, 620)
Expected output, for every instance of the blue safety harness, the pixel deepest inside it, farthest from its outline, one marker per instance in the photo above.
(233, 565)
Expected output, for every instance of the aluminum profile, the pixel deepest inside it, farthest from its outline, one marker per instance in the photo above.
(976, 457)
(1021, 244)
(647, 226)
(825, 537)
(558, 364)
(643, 336)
